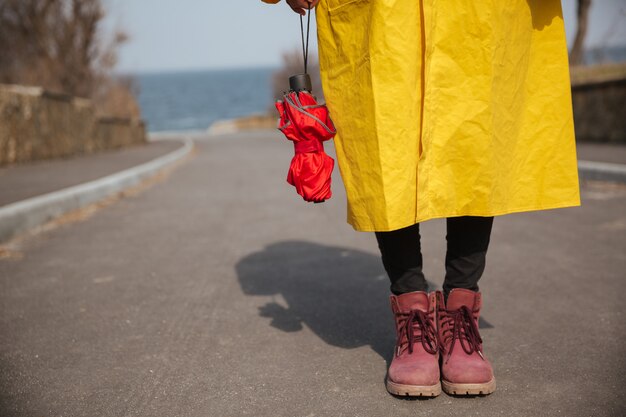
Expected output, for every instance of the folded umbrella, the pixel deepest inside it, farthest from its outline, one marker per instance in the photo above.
(308, 125)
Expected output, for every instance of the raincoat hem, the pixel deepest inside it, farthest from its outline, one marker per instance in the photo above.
(371, 228)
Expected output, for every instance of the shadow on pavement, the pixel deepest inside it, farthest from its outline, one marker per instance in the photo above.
(341, 294)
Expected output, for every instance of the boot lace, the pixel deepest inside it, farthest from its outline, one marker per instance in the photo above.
(460, 325)
(418, 327)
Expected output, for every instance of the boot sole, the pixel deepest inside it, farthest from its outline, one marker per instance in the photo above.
(413, 390)
(469, 389)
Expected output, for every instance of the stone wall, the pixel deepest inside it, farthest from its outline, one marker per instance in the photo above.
(599, 99)
(36, 124)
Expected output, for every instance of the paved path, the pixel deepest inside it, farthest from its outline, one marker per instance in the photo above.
(601, 152)
(19, 182)
(219, 293)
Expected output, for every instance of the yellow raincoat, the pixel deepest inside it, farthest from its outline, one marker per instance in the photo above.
(448, 108)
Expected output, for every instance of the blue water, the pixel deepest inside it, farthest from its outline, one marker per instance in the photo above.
(605, 55)
(194, 100)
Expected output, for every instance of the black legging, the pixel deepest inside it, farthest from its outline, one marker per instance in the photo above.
(467, 242)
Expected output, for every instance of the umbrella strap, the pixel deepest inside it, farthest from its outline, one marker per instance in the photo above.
(308, 146)
(305, 48)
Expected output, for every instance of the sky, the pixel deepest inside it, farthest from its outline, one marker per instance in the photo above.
(170, 35)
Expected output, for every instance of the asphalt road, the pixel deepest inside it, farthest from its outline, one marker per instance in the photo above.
(218, 292)
(22, 181)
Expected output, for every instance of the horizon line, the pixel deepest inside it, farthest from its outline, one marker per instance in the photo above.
(192, 69)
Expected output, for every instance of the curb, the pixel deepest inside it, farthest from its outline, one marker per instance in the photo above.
(602, 171)
(23, 215)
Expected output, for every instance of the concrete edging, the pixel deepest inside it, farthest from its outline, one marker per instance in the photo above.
(602, 171)
(24, 215)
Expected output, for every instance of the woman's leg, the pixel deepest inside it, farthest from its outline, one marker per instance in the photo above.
(464, 370)
(468, 241)
(402, 258)
(414, 368)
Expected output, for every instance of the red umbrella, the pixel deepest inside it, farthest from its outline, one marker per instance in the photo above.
(308, 125)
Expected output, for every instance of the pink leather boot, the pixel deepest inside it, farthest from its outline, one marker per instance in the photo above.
(464, 368)
(414, 369)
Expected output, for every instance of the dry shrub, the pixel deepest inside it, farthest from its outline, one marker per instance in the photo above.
(59, 45)
(293, 64)
(116, 97)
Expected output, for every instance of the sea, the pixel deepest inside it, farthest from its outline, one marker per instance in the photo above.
(193, 100)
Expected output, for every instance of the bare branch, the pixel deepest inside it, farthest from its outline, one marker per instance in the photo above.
(577, 52)
(58, 44)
